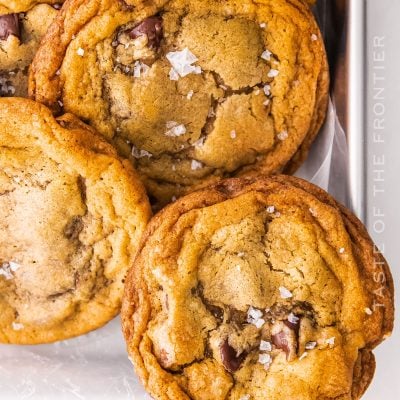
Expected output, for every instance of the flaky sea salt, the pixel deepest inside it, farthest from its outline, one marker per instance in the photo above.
(190, 95)
(266, 102)
(304, 355)
(6, 273)
(139, 69)
(341, 250)
(196, 165)
(263, 25)
(17, 326)
(199, 142)
(14, 266)
(270, 209)
(7, 269)
(314, 37)
(265, 346)
(330, 341)
(173, 75)
(285, 293)
(182, 61)
(253, 313)
(267, 90)
(174, 129)
(245, 397)
(259, 323)
(293, 319)
(254, 317)
(273, 73)
(368, 311)
(140, 153)
(311, 345)
(264, 359)
(283, 135)
(266, 55)
(80, 52)
(241, 254)
(233, 134)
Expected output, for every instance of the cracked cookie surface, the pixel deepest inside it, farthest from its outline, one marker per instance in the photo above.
(22, 26)
(255, 289)
(190, 91)
(71, 214)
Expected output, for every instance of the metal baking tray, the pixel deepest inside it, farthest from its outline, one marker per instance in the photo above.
(361, 38)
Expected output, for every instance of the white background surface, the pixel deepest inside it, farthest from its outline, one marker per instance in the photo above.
(383, 26)
(95, 366)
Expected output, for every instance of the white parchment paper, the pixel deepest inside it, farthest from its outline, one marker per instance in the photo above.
(95, 366)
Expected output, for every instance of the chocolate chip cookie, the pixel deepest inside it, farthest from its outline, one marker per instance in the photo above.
(191, 91)
(22, 25)
(256, 289)
(71, 215)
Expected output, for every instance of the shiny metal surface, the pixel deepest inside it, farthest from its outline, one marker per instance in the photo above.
(382, 168)
(343, 23)
(362, 38)
(356, 106)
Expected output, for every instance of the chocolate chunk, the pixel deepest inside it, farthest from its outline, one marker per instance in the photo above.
(9, 25)
(230, 359)
(285, 338)
(281, 341)
(216, 311)
(236, 316)
(152, 28)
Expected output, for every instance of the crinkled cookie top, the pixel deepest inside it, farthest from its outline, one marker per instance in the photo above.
(71, 215)
(263, 289)
(191, 91)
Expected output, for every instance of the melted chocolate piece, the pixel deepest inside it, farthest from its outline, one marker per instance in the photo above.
(281, 341)
(229, 358)
(9, 25)
(236, 316)
(286, 339)
(151, 27)
(216, 311)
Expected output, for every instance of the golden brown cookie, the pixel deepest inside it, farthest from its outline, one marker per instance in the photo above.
(17, 6)
(191, 91)
(256, 289)
(22, 25)
(71, 215)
